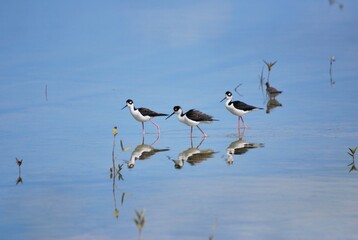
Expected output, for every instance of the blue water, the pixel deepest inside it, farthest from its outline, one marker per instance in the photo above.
(67, 70)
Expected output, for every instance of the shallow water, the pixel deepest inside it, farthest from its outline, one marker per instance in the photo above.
(61, 97)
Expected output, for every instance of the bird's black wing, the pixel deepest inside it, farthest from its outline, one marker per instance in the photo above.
(148, 112)
(198, 116)
(243, 106)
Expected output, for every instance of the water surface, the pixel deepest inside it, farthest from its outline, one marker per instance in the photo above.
(67, 70)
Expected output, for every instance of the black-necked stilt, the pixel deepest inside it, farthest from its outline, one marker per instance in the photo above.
(192, 118)
(237, 108)
(143, 114)
(271, 91)
(193, 156)
(239, 147)
(143, 152)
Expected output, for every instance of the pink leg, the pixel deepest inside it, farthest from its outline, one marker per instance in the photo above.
(245, 126)
(241, 135)
(238, 125)
(201, 131)
(143, 131)
(156, 140)
(191, 132)
(158, 128)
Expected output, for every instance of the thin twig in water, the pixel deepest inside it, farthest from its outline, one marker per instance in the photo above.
(262, 78)
(269, 67)
(332, 59)
(237, 90)
(124, 149)
(19, 163)
(122, 199)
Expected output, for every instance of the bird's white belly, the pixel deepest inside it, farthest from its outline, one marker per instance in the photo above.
(187, 121)
(139, 117)
(235, 111)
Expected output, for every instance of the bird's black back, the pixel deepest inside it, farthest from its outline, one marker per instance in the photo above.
(243, 106)
(198, 116)
(150, 113)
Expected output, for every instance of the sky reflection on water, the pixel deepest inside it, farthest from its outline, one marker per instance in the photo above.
(291, 183)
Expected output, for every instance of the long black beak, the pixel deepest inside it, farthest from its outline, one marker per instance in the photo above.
(124, 107)
(169, 116)
(223, 99)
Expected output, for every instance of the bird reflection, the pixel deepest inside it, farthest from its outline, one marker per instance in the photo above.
(144, 151)
(239, 147)
(272, 102)
(193, 155)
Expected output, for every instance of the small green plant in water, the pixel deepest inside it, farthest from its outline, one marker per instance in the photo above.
(139, 220)
(115, 131)
(351, 153)
(120, 176)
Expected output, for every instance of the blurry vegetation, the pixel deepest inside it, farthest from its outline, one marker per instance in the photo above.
(212, 235)
(139, 220)
(334, 2)
(124, 149)
(115, 131)
(332, 59)
(269, 67)
(46, 92)
(113, 170)
(19, 163)
(351, 153)
(262, 79)
(116, 171)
